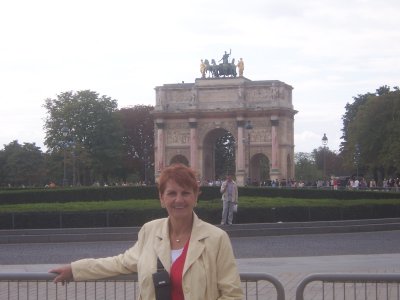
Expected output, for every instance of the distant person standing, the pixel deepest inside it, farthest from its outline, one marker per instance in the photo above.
(230, 197)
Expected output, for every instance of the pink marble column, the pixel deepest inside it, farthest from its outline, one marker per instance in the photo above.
(193, 144)
(240, 162)
(275, 145)
(240, 146)
(160, 147)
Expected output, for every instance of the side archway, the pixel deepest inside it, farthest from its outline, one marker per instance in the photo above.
(259, 169)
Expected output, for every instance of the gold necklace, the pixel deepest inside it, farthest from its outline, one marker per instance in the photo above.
(180, 239)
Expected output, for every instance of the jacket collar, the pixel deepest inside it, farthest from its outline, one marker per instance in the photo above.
(196, 245)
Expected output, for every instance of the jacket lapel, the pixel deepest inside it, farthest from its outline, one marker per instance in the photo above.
(162, 245)
(196, 245)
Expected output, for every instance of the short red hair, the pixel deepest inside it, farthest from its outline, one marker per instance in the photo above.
(181, 174)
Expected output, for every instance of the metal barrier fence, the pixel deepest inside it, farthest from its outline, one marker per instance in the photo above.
(39, 286)
(31, 286)
(349, 286)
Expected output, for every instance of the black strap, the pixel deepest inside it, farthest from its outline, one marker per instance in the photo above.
(162, 284)
(160, 266)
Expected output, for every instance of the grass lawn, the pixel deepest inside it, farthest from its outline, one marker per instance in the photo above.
(154, 203)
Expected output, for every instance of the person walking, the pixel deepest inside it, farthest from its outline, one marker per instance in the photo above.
(195, 258)
(229, 198)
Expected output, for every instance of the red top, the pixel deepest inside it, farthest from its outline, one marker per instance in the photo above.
(176, 275)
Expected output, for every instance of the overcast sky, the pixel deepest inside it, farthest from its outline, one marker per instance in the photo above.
(329, 51)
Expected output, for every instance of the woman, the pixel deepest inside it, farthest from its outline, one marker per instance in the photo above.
(197, 255)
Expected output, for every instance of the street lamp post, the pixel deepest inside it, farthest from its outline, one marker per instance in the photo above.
(324, 143)
(64, 131)
(74, 162)
(248, 128)
(357, 156)
(145, 165)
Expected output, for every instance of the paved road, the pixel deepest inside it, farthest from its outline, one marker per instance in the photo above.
(364, 243)
(290, 258)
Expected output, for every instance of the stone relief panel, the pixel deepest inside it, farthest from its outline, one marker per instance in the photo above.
(261, 132)
(179, 96)
(260, 135)
(258, 94)
(177, 133)
(178, 137)
(212, 96)
(268, 95)
(261, 123)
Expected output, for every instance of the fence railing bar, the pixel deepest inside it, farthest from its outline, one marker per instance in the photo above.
(374, 278)
(127, 285)
(262, 276)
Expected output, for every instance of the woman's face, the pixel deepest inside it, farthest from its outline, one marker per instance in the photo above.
(179, 201)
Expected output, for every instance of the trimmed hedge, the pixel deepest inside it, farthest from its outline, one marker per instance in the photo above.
(63, 195)
(85, 194)
(212, 215)
(305, 193)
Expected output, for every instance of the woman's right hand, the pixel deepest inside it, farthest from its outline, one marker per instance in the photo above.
(64, 274)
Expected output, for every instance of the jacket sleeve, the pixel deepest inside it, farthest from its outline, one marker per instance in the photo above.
(228, 279)
(97, 268)
(91, 268)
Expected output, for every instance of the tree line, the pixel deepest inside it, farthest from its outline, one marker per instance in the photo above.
(370, 144)
(89, 140)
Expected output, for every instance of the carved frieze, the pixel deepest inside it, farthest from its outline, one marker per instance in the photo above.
(269, 94)
(212, 95)
(180, 96)
(261, 135)
(178, 137)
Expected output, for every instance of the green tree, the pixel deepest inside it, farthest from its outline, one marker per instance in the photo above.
(329, 160)
(22, 165)
(225, 155)
(138, 142)
(86, 126)
(373, 135)
(306, 168)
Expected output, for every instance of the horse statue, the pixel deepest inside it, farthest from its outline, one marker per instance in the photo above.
(227, 69)
(210, 69)
(223, 69)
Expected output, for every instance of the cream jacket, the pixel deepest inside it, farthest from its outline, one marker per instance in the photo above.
(210, 270)
(224, 191)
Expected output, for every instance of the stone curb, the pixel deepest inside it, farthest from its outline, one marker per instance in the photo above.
(236, 230)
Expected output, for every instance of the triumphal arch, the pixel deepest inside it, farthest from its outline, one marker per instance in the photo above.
(189, 117)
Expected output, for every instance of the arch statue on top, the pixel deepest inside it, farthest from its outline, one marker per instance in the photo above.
(224, 69)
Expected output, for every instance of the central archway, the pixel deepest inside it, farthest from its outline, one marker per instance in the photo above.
(218, 154)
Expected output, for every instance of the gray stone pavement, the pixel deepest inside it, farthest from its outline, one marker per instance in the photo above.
(288, 270)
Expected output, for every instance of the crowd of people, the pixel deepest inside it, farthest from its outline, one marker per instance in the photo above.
(335, 183)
